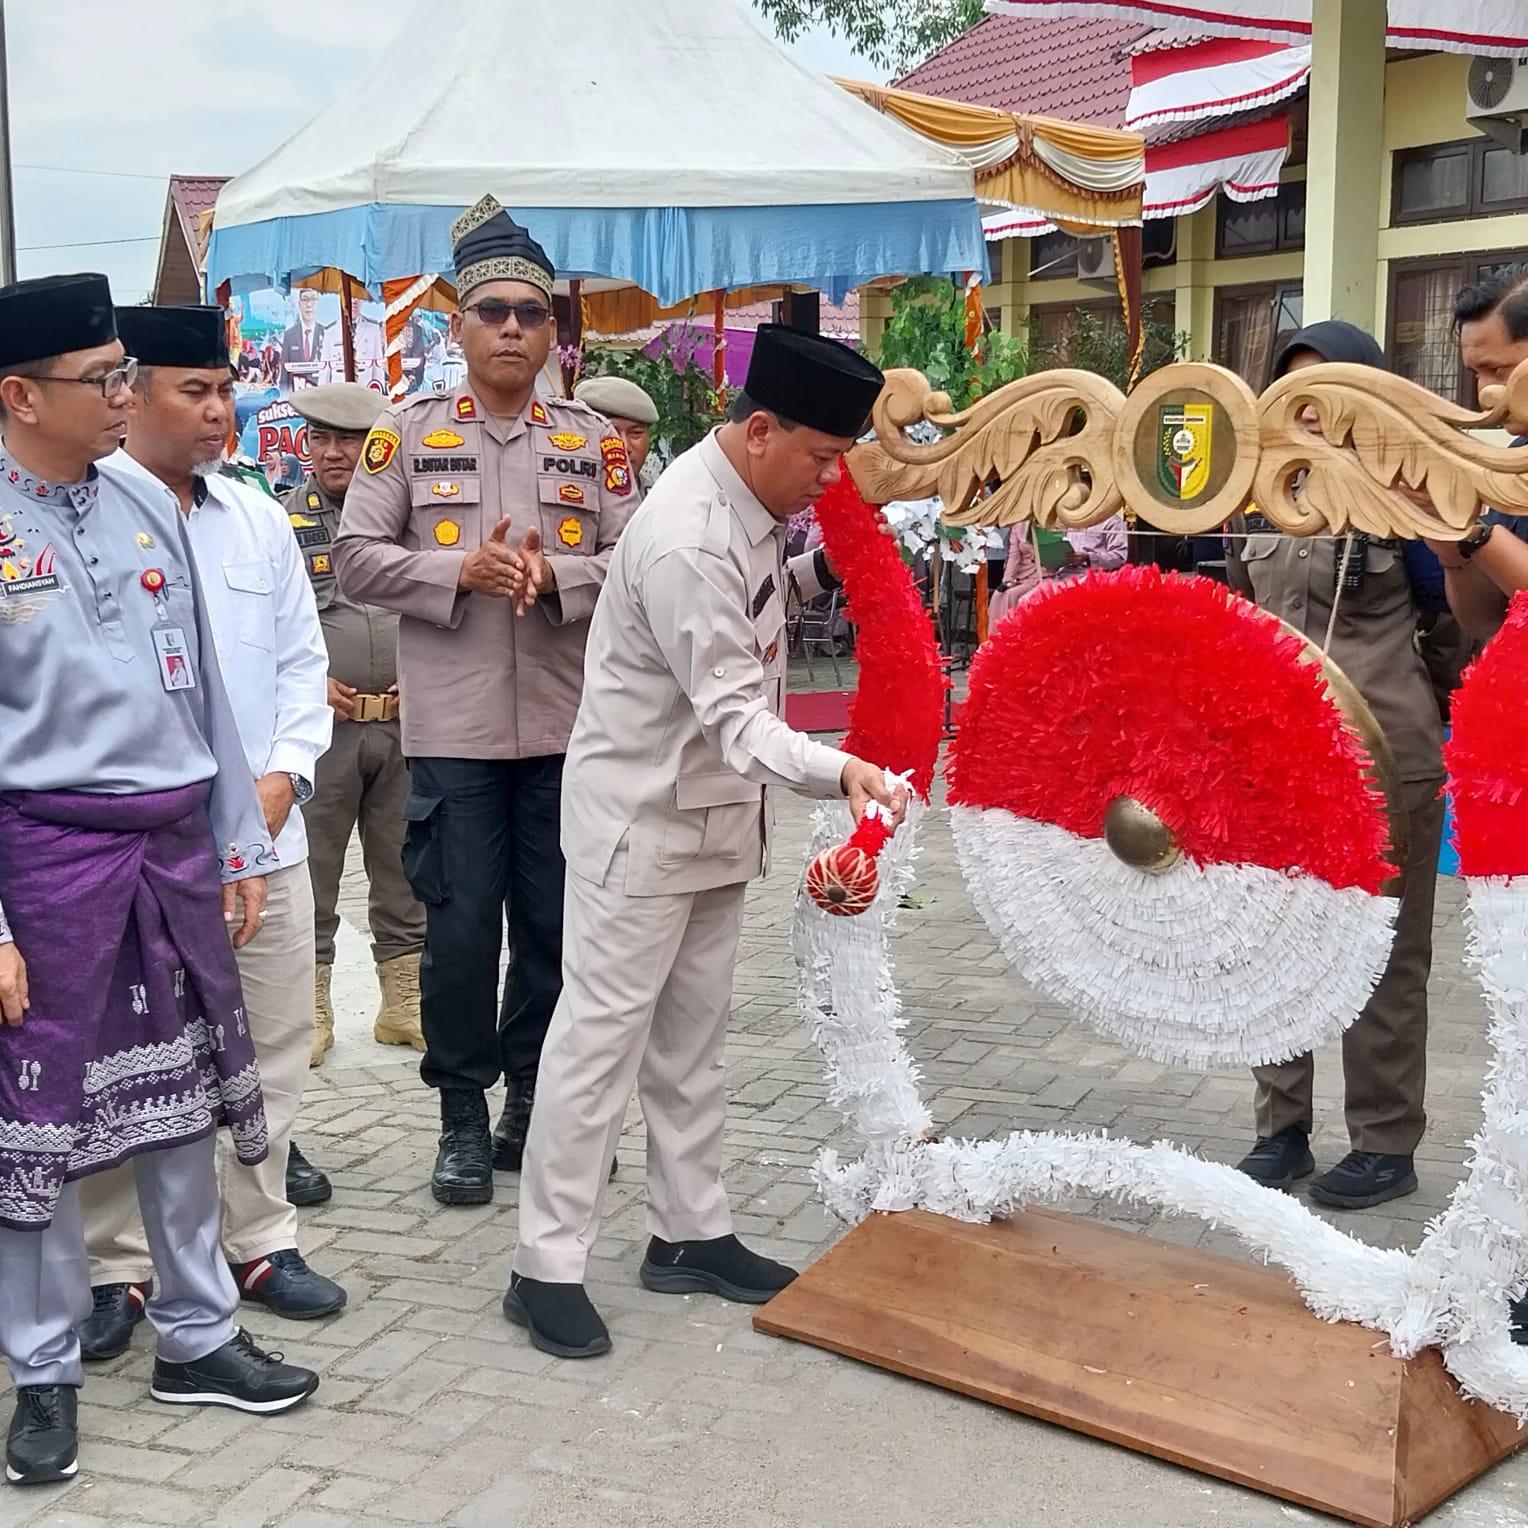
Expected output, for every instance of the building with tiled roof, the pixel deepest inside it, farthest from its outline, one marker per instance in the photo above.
(183, 240)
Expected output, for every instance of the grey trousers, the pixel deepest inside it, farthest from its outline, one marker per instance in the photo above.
(45, 1275)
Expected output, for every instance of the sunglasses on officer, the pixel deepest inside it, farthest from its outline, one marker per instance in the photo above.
(494, 313)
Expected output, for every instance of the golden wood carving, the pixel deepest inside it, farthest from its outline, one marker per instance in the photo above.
(1066, 449)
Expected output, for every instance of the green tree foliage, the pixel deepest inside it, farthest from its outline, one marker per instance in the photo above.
(892, 34)
(685, 395)
(1094, 342)
(927, 331)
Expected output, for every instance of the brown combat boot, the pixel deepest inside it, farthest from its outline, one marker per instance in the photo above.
(398, 1017)
(323, 1015)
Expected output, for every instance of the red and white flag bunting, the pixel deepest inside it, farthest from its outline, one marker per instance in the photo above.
(1221, 77)
(1461, 26)
(1243, 161)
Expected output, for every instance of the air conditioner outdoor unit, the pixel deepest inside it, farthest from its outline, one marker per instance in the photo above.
(1496, 97)
(1095, 261)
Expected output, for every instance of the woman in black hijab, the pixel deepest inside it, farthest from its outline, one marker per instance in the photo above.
(1372, 639)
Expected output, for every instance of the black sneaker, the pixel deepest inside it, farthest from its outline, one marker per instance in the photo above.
(238, 1374)
(560, 1318)
(1364, 1178)
(721, 1266)
(1277, 1160)
(283, 1282)
(43, 1443)
(305, 1183)
(115, 1310)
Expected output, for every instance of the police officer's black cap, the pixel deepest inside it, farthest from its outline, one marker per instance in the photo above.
(489, 245)
(193, 337)
(812, 381)
(53, 315)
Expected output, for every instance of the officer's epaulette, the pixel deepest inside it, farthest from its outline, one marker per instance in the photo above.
(403, 405)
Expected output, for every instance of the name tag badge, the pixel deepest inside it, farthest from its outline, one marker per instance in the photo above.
(174, 658)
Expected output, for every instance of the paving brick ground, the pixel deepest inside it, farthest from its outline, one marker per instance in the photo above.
(434, 1410)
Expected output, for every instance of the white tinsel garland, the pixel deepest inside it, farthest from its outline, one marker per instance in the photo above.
(1452, 1291)
(1260, 966)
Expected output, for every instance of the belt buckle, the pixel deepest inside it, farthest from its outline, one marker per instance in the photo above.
(370, 708)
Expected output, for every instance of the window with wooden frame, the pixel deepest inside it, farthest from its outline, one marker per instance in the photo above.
(1420, 319)
(1441, 182)
(1253, 323)
(1266, 227)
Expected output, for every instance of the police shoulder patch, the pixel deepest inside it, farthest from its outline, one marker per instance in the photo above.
(380, 448)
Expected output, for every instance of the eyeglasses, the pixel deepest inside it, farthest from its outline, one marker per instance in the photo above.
(494, 312)
(117, 380)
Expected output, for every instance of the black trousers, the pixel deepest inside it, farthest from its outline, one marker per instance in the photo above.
(481, 848)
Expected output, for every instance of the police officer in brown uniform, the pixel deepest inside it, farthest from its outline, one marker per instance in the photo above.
(1384, 1054)
(462, 504)
(362, 781)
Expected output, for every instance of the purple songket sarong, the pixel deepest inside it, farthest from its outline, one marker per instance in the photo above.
(136, 1038)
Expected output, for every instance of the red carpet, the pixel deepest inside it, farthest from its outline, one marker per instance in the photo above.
(819, 710)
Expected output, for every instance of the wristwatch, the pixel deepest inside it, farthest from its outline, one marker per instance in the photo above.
(1476, 539)
(302, 789)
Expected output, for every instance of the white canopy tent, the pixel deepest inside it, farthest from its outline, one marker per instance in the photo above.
(674, 145)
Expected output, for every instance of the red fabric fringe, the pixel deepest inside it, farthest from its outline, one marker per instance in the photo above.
(1486, 758)
(897, 714)
(1175, 691)
(872, 835)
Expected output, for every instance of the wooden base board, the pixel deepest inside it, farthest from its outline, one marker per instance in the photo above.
(1201, 1360)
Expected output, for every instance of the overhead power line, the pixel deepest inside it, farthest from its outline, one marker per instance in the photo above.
(69, 169)
(152, 238)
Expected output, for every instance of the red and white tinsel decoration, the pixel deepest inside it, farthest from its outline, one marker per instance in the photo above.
(1268, 934)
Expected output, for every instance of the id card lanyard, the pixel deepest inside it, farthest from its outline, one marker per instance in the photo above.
(171, 651)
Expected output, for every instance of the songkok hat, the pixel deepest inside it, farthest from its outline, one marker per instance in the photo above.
(52, 315)
(489, 245)
(812, 381)
(339, 405)
(617, 398)
(193, 337)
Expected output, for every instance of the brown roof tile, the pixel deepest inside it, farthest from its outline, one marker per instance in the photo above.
(1078, 71)
(190, 196)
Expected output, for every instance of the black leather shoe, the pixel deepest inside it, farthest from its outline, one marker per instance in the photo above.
(238, 1374)
(283, 1282)
(560, 1318)
(1363, 1178)
(721, 1266)
(305, 1184)
(1517, 1312)
(115, 1310)
(514, 1126)
(1277, 1160)
(43, 1443)
(464, 1164)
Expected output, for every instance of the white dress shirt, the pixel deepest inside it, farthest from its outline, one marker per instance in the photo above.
(265, 627)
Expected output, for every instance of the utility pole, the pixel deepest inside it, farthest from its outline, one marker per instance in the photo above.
(7, 204)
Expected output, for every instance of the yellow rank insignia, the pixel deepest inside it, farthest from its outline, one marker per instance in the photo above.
(538, 413)
(380, 448)
(301, 522)
(447, 533)
(314, 502)
(442, 440)
(466, 408)
(445, 490)
(321, 562)
(566, 441)
(571, 531)
(570, 493)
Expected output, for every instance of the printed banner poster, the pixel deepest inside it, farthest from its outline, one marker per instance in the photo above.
(281, 342)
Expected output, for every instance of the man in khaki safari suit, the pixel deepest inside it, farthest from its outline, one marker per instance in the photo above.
(665, 820)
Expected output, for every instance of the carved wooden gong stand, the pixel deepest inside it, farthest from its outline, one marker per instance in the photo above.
(1201, 1360)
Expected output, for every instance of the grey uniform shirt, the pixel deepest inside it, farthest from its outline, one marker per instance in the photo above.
(679, 734)
(84, 707)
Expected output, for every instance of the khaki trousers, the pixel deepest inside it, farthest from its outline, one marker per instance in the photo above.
(1384, 1054)
(363, 781)
(646, 991)
(276, 972)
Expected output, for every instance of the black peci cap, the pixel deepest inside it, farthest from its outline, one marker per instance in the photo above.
(812, 381)
(52, 315)
(193, 337)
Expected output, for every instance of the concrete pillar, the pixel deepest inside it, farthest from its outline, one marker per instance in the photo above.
(1194, 296)
(1342, 185)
